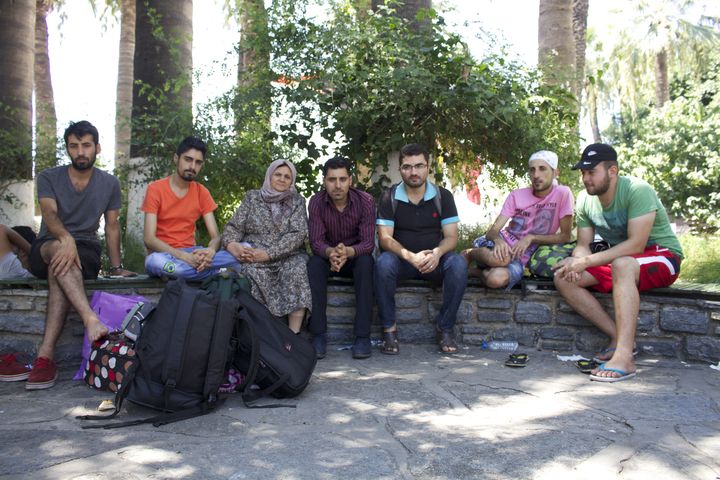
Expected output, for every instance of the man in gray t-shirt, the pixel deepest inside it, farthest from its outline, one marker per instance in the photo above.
(72, 199)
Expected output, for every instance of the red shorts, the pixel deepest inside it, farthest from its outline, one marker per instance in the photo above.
(659, 267)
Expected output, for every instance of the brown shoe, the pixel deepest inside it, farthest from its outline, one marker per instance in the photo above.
(446, 341)
(391, 344)
(43, 375)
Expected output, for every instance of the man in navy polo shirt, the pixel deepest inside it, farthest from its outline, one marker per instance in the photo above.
(342, 238)
(418, 232)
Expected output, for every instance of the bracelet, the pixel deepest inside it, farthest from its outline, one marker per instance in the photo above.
(115, 268)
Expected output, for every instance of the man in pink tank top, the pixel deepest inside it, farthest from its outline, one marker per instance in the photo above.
(531, 216)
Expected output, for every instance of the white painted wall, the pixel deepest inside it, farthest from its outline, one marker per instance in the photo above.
(21, 209)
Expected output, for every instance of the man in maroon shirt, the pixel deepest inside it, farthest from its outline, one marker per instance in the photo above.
(342, 238)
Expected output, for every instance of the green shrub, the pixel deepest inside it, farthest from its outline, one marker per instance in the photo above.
(468, 233)
(702, 258)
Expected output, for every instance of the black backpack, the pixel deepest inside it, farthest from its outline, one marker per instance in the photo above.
(181, 356)
(272, 356)
(226, 283)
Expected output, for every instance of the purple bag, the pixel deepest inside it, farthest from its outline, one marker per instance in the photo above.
(111, 309)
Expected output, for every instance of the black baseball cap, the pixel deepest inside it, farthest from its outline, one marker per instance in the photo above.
(594, 154)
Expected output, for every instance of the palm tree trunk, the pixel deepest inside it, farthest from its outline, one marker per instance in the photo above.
(662, 85)
(124, 98)
(408, 9)
(162, 63)
(579, 21)
(17, 40)
(591, 90)
(45, 116)
(556, 43)
(162, 95)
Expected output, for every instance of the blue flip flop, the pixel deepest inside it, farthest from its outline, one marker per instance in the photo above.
(607, 350)
(623, 375)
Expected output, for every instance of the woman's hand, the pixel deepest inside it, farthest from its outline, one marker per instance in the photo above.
(238, 251)
(256, 255)
(246, 254)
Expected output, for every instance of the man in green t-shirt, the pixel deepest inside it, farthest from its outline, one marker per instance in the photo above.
(644, 254)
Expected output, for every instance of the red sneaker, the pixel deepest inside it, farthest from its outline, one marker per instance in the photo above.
(11, 370)
(43, 375)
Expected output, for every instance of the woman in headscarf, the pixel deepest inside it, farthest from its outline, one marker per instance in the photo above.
(267, 235)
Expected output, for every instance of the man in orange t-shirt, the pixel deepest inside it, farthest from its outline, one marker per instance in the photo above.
(172, 205)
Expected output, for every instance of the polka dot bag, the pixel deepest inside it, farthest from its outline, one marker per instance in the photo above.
(110, 360)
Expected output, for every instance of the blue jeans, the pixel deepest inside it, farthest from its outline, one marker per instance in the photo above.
(165, 265)
(516, 268)
(452, 273)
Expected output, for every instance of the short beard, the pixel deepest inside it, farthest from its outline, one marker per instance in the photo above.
(188, 177)
(602, 189)
(87, 166)
(409, 182)
(535, 192)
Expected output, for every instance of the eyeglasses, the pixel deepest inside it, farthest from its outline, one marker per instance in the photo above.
(418, 166)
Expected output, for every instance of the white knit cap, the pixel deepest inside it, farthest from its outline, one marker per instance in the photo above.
(549, 157)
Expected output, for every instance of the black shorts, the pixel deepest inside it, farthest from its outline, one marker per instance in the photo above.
(88, 251)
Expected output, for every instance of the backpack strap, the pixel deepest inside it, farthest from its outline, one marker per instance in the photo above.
(251, 396)
(173, 364)
(158, 420)
(393, 200)
(244, 324)
(119, 397)
(437, 199)
(219, 347)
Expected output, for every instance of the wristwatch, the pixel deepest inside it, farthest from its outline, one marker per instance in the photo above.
(115, 268)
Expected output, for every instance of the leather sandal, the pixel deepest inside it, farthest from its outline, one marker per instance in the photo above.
(391, 345)
(446, 342)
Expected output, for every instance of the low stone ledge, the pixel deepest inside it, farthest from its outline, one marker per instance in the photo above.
(673, 322)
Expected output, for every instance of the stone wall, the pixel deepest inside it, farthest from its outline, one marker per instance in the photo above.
(683, 326)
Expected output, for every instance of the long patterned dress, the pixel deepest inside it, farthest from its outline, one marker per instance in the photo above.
(282, 282)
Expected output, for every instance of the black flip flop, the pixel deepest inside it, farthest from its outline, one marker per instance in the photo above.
(516, 360)
(587, 366)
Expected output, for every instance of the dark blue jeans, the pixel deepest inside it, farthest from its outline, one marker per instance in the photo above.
(452, 273)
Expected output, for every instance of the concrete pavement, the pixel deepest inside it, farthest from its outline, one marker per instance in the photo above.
(420, 415)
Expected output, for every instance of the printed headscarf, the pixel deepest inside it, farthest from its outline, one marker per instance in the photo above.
(280, 202)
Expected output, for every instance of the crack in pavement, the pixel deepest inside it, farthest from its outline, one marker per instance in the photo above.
(621, 463)
(391, 431)
(713, 468)
(681, 435)
(517, 390)
(493, 387)
(615, 418)
(459, 399)
(399, 456)
(441, 391)
(698, 450)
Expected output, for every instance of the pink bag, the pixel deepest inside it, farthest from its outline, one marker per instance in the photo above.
(111, 309)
